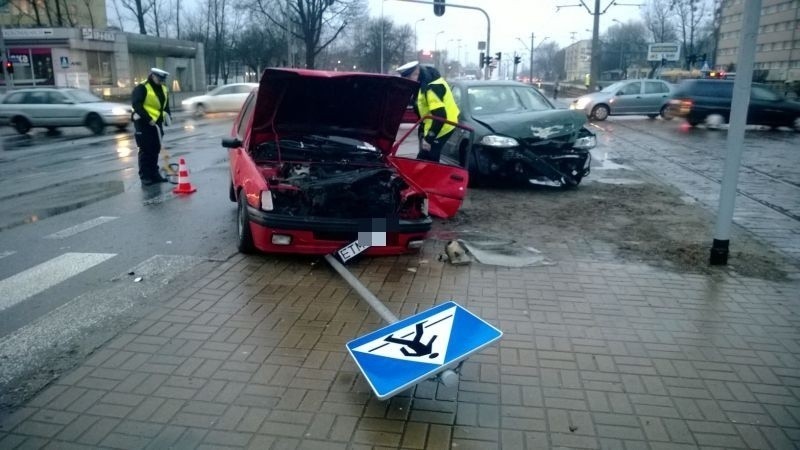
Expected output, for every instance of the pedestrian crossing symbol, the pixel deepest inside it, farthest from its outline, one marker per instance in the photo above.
(402, 354)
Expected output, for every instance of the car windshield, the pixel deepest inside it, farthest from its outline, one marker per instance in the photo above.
(486, 100)
(82, 96)
(614, 88)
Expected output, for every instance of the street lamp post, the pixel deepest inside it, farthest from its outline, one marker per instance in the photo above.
(416, 43)
(436, 47)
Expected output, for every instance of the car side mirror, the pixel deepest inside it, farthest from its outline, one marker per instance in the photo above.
(231, 142)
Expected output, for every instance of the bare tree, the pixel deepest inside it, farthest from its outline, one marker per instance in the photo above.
(692, 15)
(316, 23)
(544, 59)
(624, 44)
(657, 15)
(139, 10)
(366, 44)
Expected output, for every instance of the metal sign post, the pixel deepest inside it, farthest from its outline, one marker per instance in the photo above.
(430, 345)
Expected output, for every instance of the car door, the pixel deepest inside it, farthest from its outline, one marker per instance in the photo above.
(444, 184)
(37, 108)
(656, 95)
(224, 99)
(764, 107)
(63, 109)
(628, 99)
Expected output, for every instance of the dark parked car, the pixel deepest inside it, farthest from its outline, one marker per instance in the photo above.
(519, 135)
(312, 163)
(697, 100)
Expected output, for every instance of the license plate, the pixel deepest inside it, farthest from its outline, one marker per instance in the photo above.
(350, 251)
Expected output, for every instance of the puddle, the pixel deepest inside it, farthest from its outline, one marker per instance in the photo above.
(602, 162)
(495, 250)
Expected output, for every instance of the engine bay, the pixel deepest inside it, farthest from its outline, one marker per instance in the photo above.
(332, 178)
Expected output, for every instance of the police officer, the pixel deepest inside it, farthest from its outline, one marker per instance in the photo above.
(150, 112)
(435, 99)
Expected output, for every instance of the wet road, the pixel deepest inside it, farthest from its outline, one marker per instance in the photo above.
(84, 248)
(692, 159)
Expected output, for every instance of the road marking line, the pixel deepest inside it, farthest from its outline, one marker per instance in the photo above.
(8, 253)
(81, 227)
(37, 279)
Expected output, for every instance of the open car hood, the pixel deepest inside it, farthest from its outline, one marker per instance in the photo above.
(368, 107)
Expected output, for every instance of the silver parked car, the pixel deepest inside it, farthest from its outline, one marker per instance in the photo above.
(53, 108)
(226, 98)
(628, 97)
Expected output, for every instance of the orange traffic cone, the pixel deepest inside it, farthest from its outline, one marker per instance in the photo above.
(184, 186)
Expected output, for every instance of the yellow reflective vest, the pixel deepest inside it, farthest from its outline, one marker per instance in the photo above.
(151, 103)
(427, 101)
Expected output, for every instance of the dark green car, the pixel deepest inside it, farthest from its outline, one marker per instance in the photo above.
(519, 135)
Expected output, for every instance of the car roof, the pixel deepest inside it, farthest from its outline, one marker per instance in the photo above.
(478, 83)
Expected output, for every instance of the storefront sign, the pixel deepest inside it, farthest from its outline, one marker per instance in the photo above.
(19, 59)
(27, 32)
(96, 35)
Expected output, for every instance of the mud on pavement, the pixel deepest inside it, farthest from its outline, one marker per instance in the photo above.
(647, 222)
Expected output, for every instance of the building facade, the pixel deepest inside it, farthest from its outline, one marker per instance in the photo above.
(778, 46)
(108, 62)
(578, 60)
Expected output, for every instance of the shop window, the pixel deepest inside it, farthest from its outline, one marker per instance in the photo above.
(98, 64)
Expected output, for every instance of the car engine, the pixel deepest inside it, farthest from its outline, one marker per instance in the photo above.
(336, 190)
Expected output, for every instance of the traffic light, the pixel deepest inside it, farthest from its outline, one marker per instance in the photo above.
(517, 60)
(498, 55)
(9, 67)
(482, 60)
(438, 7)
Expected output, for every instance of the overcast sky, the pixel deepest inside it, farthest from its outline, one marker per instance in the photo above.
(510, 19)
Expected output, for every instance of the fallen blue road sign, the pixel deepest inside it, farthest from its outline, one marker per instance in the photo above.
(416, 348)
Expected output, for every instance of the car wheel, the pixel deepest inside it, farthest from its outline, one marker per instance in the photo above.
(95, 124)
(232, 193)
(21, 124)
(665, 113)
(200, 110)
(600, 112)
(245, 238)
(715, 120)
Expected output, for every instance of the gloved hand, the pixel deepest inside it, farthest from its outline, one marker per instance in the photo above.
(167, 119)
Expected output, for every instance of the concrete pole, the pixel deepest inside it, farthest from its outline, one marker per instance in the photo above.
(530, 67)
(735, 138)
(594, 71)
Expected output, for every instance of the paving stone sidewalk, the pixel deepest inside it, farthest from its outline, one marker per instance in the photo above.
(596, 354)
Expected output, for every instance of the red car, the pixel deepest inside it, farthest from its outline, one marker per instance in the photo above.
(313, 163)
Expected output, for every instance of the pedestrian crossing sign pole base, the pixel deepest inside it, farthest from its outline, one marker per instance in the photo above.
(420, 347)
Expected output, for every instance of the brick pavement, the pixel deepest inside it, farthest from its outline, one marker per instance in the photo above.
(596, 354)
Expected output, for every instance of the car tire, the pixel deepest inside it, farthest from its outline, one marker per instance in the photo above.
(200, 110)
(652, 116)
(244, 235)
(664, 113)
(232, 193)
(95, 124)
(600, 113)
(21, 124)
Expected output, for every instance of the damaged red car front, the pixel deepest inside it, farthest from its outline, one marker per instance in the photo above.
(312, 165)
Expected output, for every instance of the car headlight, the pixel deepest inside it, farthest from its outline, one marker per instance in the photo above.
(119, 111)
(266, 201)
(585, 142)
(581, 102)
(493, 140)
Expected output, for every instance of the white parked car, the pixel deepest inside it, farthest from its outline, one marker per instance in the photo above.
(225, 98)
(53, 108)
